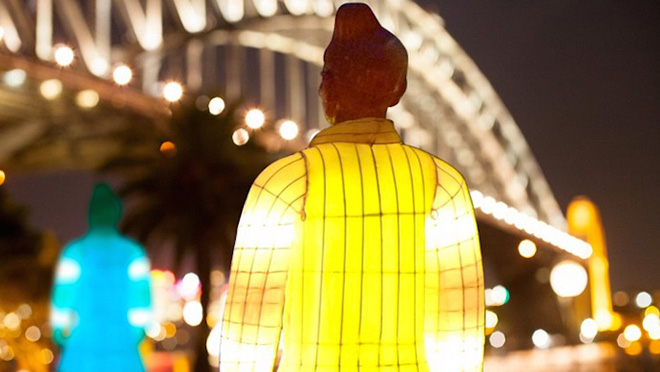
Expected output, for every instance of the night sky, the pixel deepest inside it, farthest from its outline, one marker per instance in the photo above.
(582, 80)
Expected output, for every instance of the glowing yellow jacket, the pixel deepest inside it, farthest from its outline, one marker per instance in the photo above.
(357, 253)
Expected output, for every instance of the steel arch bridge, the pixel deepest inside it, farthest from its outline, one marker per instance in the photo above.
(268, 52)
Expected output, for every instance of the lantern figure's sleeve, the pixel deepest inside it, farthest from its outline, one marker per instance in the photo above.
(139, 296)
(63, 313)
(252, 319)
(454, 315)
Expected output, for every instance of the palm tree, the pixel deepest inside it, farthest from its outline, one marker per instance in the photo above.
(191, 194)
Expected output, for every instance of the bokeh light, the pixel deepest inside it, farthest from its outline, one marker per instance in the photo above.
(50, 89)
(122, 74)
(497, 339)
(643, 299)
(216, 106)
(491, 319)
(288, 129)
(63, 55)
(255, 118)
(240, 137)
(14, 78)
(172, 91)
(589, 329)
(3, 177)
(87, 98)
(632, 333)
(168, 148)
(568, 279)
(193, 313)
(527, 248)
(541, 339)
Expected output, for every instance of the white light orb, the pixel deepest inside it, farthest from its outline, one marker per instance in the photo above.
(63, 55)
(50, 89)
(632, 333)
(527, 248)
(33, 334)
(172, 91)
(497, 339)
(213, 341)
(651, 322)
(240, 137)
(122, 74)
(255, 118)
(643, 299)
(589, 328)
(14, 78)
(12, 321)
(288, 130)
(2, 33)
(498, 296)
(189, 286)
(568, 279)
(216, 106)
(541, 339)
(99, 66)
(192, 313)
(491, 319)
(87, 98)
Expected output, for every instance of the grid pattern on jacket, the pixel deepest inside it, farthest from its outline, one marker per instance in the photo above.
(378, 255)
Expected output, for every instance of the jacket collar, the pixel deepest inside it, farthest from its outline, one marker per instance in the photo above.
(371, 131)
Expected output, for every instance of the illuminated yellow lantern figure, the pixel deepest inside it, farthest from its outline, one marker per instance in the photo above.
(359, 252)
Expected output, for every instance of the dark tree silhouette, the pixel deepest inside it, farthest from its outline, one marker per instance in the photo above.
(191, 195)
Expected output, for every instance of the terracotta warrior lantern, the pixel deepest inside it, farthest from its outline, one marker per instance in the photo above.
(359, 252)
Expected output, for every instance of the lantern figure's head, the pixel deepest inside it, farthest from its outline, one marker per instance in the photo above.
(364, 69)
(104, 208)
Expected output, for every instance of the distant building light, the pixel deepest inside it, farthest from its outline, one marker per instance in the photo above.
(50, 89)
(122, 74)
(63, 55)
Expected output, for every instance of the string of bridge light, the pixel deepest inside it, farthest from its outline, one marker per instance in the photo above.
(530, 225)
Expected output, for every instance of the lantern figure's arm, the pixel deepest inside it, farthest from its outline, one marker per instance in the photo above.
(253, 313)
(454, 323)
(139, 296)
(63, 314)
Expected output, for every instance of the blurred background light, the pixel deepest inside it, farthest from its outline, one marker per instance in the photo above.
(122, 74)
(216, 106)
(14, 78)
(192, 313)
(643, 299)
(527, 248)
(497, 339)
(172, 91)
(288, 129)
(255, 118)
(568, 279)
(541, 339)
(240, 137)
(50, 89)
(87, 98)
(63, 55)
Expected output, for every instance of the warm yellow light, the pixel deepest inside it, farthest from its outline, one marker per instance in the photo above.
(491, 319)
(617, 321)
(63, 55)
(46, 356)
(99, 66)
(87, 98)
(2, 33)
(216, 106)
(654, 334)
(155, 330)
(3, 177)
(170, 329)
(172, 91)
(632, 333)
(652, 310)
(168, 148)
(643, 299)
(122, 74)
(192, 313)
(527, 248)
(288, 129)
(589, 328)
(255, 118)
(635, 348)
(497, 339)
(50, 89)
(654, 346)
(622, 341)
(568, 279)
(213, 341)
(240, 137)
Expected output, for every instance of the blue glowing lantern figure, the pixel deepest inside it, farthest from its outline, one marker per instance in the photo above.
(101, 299)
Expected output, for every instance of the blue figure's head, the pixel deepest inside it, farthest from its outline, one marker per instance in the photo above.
(104, 208)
